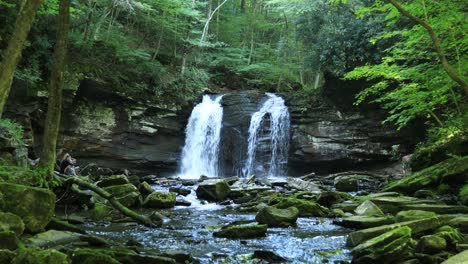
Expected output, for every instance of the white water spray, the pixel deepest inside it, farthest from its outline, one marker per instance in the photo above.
(278, 137)
(201, 149)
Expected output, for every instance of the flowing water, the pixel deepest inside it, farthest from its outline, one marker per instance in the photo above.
(201, 149)
(190, 230)
(268, 142)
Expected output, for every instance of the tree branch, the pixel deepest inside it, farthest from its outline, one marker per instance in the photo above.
(436, 41)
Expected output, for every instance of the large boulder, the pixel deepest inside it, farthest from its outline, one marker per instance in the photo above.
(242, 231)
(417, 226)
(391, 247)
(303, 185)
(11, 222)
(160, 200)
(361, 222)
(368, 208)
(126, 194)
(431, 244)
(454, 169)
(347, 183)
(34, 255)
(34, 205)
(328, 198)
(410, 215)
(213, 190)
(274, 217)
(306, 208)
(113, 180)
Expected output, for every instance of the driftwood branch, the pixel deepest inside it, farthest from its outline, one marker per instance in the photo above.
(113, 201)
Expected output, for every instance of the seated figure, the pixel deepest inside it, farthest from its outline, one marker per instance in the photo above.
(67, 165)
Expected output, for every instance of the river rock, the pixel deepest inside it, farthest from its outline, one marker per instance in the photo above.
(52, 238)
(460, 222)
(417, 226)
(92, 256)
(6, 256)
(431, 244)
(361, 222)
(455, 168)
(368, 208)
(126, 194)
(34, 205)
(145, 188)
(268, 256)
(275, 217)
(459, 258)
(438, 208)
(34, 255)
(306, 208)
(11, 222)
(180, 190)
(451, 235)
(410, 215)
(9, 240)
(347, 183)
(242, 231)
(213, 190)
(347, 206)
(303, 185)
(113, 180)
(393, 205)
(391, 247)
(160, 200)
(327, 199)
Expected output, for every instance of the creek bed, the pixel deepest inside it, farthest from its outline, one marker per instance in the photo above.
(314, 240)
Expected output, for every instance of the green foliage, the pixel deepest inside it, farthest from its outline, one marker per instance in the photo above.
(25, 176)
(12, 131)
(409, 80)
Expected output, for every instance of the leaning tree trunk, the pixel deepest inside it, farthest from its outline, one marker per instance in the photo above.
(12, 53)
(54, 109)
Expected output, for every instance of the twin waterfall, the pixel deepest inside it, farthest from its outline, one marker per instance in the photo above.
(267, 146)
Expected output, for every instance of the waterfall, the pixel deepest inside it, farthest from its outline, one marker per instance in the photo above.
(268, 142)
(201, 149)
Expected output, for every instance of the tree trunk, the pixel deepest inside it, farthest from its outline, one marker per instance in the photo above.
(242, 6)
(12, 54)
(54, 109)
(437, 45)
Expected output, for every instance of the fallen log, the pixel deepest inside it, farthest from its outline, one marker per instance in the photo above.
(114, 202)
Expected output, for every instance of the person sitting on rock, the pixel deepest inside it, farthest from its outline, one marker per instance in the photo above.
(67, 165)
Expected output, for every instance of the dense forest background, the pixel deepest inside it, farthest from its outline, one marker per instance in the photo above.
(172, 50)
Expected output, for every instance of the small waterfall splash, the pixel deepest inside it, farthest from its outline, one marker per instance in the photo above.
(201, 149)
(268, 145)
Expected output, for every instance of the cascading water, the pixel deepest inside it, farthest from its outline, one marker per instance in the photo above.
(270, 141)
(201, 149)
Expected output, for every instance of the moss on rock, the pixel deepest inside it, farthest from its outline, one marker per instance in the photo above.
(213, 190)
(6, 256)
(306, 208)
(242, 231)
(160, 200)
(431, 244)
(410, 215)
(463, 194)
(390, 247)
(11, 222)
(9, 240)
(101, 212)
(89, 256)
(451, 169)
(35, 255)
(34, 205)
(275, 217)
(450, 234)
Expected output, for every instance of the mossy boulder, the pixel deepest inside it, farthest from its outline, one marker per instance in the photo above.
(6, 256)
(35, 255)
(145, 188)
(126, 194)
(327, 199)
(347, 183)
(439, 151)
(460, 222)
(51, 238)
(8, 240)
(431, 244)
(34, 205)
(101, 212)
(90, 256)
(242, 231)
(213, 190)
(391, 247)
(410, 215)
(361, 222)
(368, 208)
(275, 217)
(306, 208)
(160, 200)
(450, 234)
(11, 222)
(455, 169)
(463, 194)
(113, 180)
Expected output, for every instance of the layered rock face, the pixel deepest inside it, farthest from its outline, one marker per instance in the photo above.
(119, 132)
